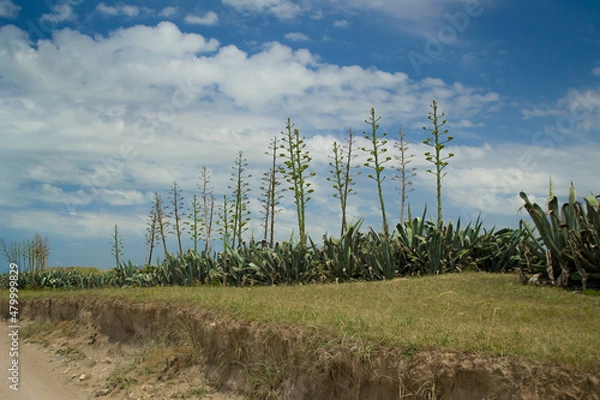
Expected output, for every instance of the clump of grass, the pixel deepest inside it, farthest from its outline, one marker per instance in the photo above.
(69, 353)
(193, 393)
(37, 329)
(120, 381)
(120, 378)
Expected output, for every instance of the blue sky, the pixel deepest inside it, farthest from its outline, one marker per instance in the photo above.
(104, 103)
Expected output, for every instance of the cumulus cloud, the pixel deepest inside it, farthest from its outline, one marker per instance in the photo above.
(8, 9)
(583, 108)
(340, 23)
(108, 77)
(131, 63)
(119, 9)
(317, 15)
(578, 111)
(283, 9)
(168, 12)
(101, 121)
(296, 37)
(210, 18)
(96, 224)
(538, 112)
(464, 123)
(60, 13)
(476, 181)
(145, 90)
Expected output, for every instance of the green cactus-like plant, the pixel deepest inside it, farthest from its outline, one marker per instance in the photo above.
(439, 161)
(375, 160)
(567, 238)
(297, 161)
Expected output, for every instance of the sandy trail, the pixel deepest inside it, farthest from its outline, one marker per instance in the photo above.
(39, 377)
(45, 375)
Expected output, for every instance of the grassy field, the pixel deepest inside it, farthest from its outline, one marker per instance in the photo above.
(467, 312)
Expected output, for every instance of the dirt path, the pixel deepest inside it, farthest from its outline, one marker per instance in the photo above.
(39, 377)
(71, 361)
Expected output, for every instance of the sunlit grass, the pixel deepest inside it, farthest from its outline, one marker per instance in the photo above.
(472, 312)
(83, 270)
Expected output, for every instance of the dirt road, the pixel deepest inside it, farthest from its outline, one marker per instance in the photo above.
(38, 373)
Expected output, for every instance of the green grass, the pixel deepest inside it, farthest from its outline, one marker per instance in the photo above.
(83, 270)
(467, 312)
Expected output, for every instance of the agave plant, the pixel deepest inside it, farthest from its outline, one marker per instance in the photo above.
(183, 270)
(429, 248)
(340, 258)
(295, 262)
(381, 256)
(568, 239)
(501, 251)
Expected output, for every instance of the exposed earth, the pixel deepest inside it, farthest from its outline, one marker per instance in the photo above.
(113, 349)
(72, 361)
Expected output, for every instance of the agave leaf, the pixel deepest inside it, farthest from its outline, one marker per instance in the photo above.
(572, 194)
(547, 231)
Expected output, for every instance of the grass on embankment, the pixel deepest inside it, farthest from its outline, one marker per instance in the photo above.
(470, 312)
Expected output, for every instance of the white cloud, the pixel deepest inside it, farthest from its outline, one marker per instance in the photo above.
(111, 107)
(48, 193)
(103, 121)
(283, 9)
(583, 108)
(119, 9)
(408, 9)
(122, 197)
(464, 123)
(488, 179)
(317, 16)
(296, 37)
(97, 224)
(340, 23)
(596, 71)
(577, 112)
(538, 112)
(210, 18)
(168, 12)
(60, 13)
(8, 9)
(414, 17)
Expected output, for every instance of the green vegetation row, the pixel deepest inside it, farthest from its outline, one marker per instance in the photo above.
(418, 247)
(563, 249)
(227, 216)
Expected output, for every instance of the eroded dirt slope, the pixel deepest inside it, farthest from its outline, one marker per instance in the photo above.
(196, 349)
(71, 360)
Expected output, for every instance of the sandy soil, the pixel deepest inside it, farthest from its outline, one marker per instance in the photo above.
(78, 366)
(39, 377)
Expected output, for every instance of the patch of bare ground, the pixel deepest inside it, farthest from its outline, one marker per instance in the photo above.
(135, 350)
(92, 365)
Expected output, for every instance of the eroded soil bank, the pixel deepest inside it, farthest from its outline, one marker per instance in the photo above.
(284, 362)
